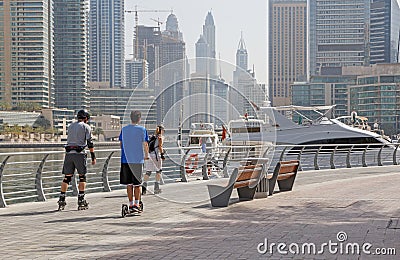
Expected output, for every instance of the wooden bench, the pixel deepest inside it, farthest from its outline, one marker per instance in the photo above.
(284, 173)
(244, 178)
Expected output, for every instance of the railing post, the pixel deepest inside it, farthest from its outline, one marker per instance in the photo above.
(380, 157)
(363, 158)
(299, 158)
(104, 174)
(348, 165)
(3, 203)
(394, 155)
(225, 162)
(38, 180)
(316, 166)
(282, 154)
(332, 159)
(182, 167)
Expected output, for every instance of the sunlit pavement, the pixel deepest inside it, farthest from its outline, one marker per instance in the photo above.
(342, 208)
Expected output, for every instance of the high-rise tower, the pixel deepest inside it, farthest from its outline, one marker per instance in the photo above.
(209, 36)
(107, 42)
(287, 50)
(385, 31)
(245, 87)
(202, 55)
(339, 33)
(70, 54)
(26, 58)
(241, 55)
(206, 50)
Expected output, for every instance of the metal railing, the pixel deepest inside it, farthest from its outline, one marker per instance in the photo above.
(36, 176)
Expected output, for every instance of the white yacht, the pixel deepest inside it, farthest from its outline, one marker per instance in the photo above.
(276, 128)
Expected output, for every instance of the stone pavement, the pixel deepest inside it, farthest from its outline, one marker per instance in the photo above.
(349, 207)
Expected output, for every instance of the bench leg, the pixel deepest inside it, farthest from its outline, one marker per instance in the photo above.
(246, 193)
(286, 185)
(271, 185)
(219, 196)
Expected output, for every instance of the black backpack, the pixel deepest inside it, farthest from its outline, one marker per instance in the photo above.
(152, 143)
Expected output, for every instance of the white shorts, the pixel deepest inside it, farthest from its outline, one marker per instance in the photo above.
(154, 164)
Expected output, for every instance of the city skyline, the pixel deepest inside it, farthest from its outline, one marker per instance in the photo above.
(191, 17)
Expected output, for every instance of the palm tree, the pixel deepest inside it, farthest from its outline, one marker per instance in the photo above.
(98, 131)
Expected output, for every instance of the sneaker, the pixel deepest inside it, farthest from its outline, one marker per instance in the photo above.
(135, 209)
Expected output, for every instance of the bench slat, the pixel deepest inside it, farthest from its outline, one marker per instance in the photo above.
(286, 169)
(248, 174)
(284, 176)
(246, 183)
(245, 167)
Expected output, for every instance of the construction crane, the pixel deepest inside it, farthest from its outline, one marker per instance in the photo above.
(136, 11)
(157, 21)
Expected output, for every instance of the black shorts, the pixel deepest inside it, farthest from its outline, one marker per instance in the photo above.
(74, 161)
(131, 173)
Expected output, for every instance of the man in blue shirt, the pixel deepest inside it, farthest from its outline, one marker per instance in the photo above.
(134, 150)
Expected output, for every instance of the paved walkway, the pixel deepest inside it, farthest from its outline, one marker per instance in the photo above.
(360, 204)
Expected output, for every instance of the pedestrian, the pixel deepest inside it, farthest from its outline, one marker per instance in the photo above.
(79, 136)
(156, 156)
(134, 150)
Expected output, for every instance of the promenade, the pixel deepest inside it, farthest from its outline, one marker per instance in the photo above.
(357, 205)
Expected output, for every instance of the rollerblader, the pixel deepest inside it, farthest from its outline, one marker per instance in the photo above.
(156, 156)
(134, 150)
(79, 136)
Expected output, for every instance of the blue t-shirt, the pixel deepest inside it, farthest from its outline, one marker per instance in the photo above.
(132, 138)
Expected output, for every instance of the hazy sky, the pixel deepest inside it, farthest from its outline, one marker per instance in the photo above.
(230, 18)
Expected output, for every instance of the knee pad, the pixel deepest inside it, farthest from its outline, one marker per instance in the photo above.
(67, 179)
(148, 173)
(82, 178)
(159, 171)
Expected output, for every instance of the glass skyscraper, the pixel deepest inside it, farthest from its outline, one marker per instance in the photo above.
(107, 42)
(385, 31)
(70, 54)
(338, 35)
(26, 60)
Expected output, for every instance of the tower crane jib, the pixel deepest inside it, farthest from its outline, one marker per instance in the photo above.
(136, 11)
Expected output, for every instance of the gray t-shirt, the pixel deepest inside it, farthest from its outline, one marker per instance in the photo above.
(78, 134)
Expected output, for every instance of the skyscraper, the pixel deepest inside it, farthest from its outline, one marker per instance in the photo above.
(338, 35)
(107, 42)
(202, 55)
(26, 58)
(205, 47)
(148, 39)
(173, 62)
(241, 55)
(136, 71)
(245, 87)
(70, 54)
(287, 51)
(165, 53)
(385, 31)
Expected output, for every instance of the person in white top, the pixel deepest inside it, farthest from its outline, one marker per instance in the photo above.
(156, 156)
